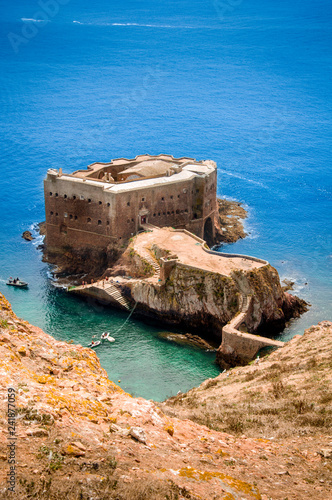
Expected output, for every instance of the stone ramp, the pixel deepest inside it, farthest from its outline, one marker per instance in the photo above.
(146, 254)
(242, 347)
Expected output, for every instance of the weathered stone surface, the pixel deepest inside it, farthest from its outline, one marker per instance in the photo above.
(138, 434)
(27, 236)
(37, 432)
(183, 459)
(79, 445)
(22, 350)
(72, 450)
(326, 452)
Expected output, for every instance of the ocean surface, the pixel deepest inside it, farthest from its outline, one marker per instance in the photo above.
(245, 83)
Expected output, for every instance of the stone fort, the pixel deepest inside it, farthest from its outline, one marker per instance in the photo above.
(108, 202)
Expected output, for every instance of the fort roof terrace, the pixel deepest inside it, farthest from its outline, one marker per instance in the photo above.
(192, 251)
(187, 173)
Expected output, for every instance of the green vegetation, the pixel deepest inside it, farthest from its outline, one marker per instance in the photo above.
(30, 414)
(55, 459)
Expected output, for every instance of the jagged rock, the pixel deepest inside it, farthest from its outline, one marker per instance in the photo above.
(5, 338)
(79, 445)
(27, 236)
(42, 228)
(22, 350)
(119, 430)
(72, 450)
(326, 453)
(138, 434)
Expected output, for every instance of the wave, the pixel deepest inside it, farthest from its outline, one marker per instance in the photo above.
(238, 176)
(150, 25)
(32, 20)
(169, 26)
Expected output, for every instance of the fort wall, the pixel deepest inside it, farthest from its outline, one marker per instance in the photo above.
(84, 212)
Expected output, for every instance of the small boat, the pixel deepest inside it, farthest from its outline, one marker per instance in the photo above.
(94, 343)
(107, 336)
(17, 282)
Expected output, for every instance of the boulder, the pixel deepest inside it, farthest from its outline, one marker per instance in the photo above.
(37, 432)
(138, 434)
(27, 236)
(72, 450)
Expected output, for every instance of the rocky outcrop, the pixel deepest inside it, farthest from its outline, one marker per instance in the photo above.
(81, 436)
(27, 235)
(207, 301)
(172, 276)
(88, 262)
(228, 221)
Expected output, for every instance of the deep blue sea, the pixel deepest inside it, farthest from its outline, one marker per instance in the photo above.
(245, 83)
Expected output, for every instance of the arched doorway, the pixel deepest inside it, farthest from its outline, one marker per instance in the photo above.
(208, 231)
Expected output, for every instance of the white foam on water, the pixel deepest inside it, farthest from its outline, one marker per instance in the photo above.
(157, 26)
(38, 240)
(32, 20)
(243, 178)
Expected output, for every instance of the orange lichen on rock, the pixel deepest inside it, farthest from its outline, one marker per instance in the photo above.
(82, 436)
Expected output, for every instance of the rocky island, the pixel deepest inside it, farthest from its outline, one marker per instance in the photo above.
(142, 229)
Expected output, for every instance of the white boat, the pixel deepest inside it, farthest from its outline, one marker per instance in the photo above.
(107, 336)
(94, 343)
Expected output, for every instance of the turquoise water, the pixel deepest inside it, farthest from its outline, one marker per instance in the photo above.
(248, 86)
(147, 364)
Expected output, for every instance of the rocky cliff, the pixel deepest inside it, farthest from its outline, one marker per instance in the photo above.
(79, 436)
(206, 301)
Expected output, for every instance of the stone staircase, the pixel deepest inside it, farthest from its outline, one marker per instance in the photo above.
(244, 303)
(117, 296)
(148, 257)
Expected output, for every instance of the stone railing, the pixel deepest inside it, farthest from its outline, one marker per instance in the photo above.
(221, 254)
